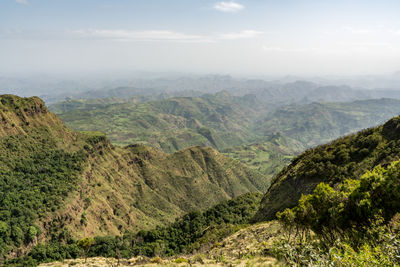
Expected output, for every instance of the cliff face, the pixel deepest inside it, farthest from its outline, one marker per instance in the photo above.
(347, 157)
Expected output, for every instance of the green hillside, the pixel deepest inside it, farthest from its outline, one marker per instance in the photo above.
(346, 157)
(193, 231)
(268, 157)
(318, 123)
(219, 120)
(354, 223)
(56, 183)
(79, 185)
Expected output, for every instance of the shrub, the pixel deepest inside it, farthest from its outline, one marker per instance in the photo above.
(180, 260)
(156, 260)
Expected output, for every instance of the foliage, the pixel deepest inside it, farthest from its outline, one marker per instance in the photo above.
(47, 253)
(85, 244)
(357, 223)
(349, 156)
(349, 211)
(169, 240)
(35, 177)
(185, 232)
(311, 253)
(180, 260)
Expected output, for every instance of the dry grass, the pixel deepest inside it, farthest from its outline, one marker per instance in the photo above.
(244, 248)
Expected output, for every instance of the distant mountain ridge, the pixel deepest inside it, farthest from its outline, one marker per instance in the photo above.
(276, 92)
(218, 120)
(224, 121)
(318, 123)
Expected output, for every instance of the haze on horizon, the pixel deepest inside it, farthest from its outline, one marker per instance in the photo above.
(255, 37)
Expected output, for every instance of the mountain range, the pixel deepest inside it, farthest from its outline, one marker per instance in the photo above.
(59, 185)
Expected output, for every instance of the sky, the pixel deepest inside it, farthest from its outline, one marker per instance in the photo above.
(255, 37)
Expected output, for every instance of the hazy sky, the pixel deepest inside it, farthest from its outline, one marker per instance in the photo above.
(275, 37)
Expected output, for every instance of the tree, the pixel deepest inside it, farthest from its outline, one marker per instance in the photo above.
(85, 244)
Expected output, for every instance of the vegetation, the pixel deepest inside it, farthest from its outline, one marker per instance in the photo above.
(269, 157)
(85, 244)
(318, 123)
(34, 179)
(59, 188)
(221, 120)
(185, 234)
(332, 163)
(357, 223)
(57, 184)
(35, 175)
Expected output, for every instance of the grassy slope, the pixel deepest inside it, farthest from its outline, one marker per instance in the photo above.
(194, 232)
(346, 157)
(138, 187)
(111, 188)
(248, 246)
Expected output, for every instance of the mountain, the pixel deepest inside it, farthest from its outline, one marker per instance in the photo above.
(318, 123)
(219, 120)
(56, 182)
(275, 93)
(347, 157)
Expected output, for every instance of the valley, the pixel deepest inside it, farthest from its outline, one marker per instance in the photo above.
(199, 133)
(180, 177)
(80, 184)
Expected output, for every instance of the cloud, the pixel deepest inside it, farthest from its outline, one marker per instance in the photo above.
(133, 35)
(127, 35)
(364, 44)
(357, 31)
(228, 7)
(247, 34)
(282, 49)
(22, 2)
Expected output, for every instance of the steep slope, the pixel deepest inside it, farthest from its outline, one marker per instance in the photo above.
(219, 234)
(138, 187)
(18, 116)
(347, 157)
(318, 123)
(56, 182)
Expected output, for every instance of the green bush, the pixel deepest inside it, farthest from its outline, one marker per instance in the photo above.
(357, 223)
(180, 260)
